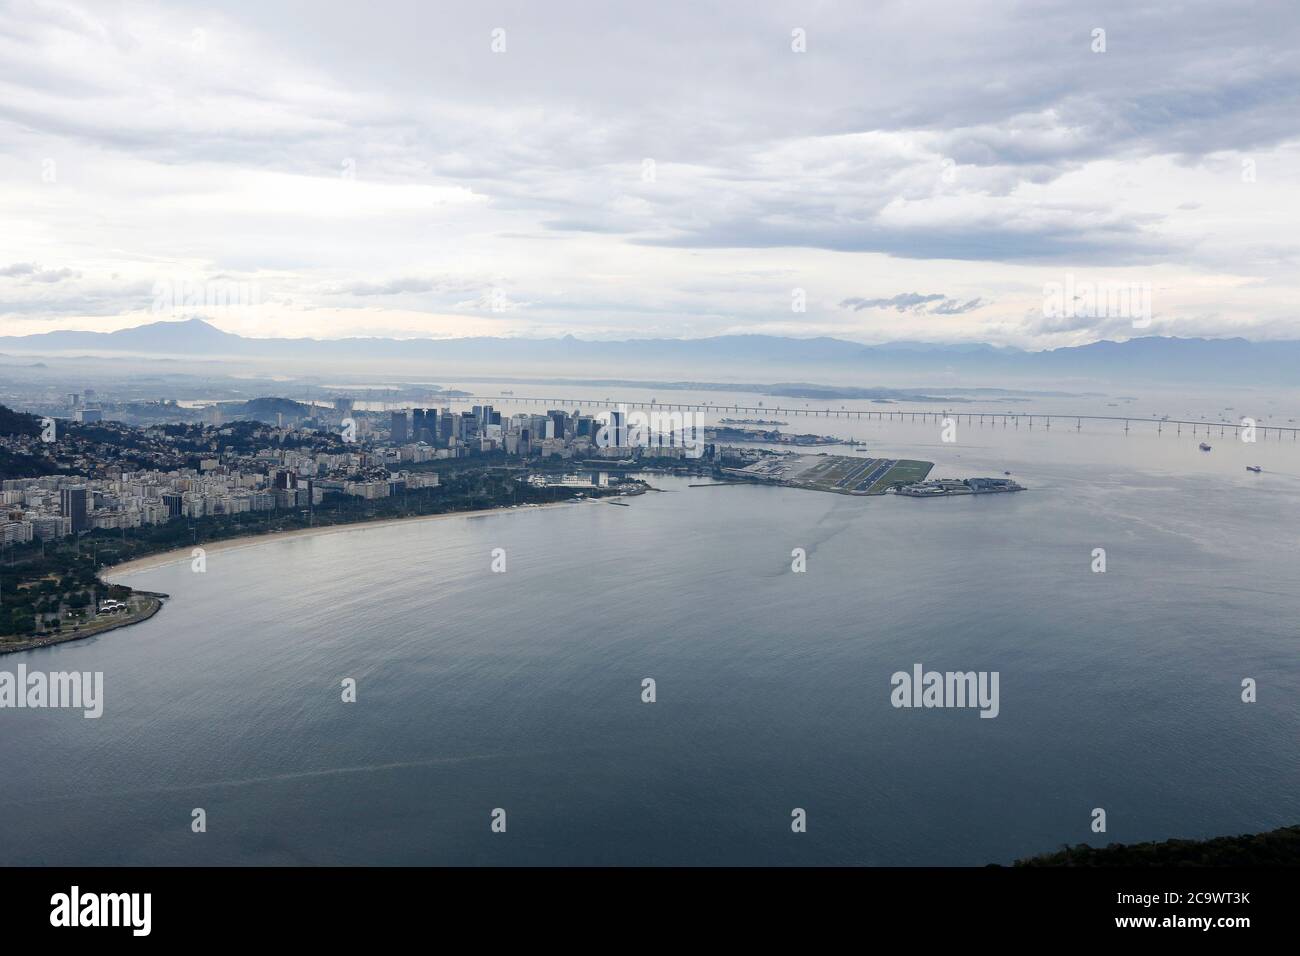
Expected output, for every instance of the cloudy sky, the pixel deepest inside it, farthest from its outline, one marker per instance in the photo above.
(874, 171)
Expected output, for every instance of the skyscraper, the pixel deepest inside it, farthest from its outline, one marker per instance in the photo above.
(561, 420)
(399, 426)
(74, 504)
(618, 429)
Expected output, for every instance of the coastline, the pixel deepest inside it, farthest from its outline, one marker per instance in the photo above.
(93, 630)
(178, 555)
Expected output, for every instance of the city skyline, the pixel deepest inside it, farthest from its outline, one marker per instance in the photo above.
(817, 437)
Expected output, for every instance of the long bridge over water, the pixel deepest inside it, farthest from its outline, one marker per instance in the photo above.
(1005, 419)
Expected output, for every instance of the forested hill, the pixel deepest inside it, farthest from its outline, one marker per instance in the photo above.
(1279, 847)
(18, 423)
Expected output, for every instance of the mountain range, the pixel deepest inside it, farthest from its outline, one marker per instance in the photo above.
(1156, 359)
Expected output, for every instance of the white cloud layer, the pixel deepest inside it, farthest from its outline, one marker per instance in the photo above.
(668, 169)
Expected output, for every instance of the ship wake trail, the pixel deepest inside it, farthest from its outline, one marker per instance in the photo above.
(290, 776)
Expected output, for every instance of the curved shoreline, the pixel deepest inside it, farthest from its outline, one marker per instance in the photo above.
(156, 602)
(176, 556)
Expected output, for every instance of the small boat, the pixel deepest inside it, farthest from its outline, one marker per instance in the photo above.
(1255, 468)
(1006, 473)
(1204, 447)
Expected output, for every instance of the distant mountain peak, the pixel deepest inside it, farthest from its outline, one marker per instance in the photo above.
(1148, 358)
(191, 326)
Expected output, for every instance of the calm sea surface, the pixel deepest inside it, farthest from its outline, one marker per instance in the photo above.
(522, 690)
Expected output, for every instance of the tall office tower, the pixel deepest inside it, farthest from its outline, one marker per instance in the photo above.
(560, 420)
(446, 426)
(74, 504)
(618, 429)
(485, 417)
(399, 426)
(418, 425)
(468, 426)
(477, 412)
(343, 406)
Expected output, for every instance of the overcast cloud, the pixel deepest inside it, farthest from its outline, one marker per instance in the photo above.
(921, 171)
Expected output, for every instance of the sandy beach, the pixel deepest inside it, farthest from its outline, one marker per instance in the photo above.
(165, 558)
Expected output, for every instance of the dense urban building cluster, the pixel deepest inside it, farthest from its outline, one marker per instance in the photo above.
(53, 506)
(113, 476)
(557, 433)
